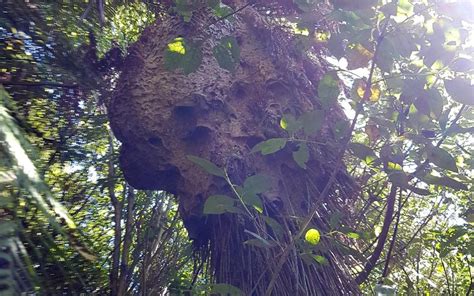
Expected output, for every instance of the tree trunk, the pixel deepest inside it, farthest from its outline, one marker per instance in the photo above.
(162, 116)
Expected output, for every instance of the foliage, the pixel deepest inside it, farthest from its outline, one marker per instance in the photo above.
(402, 70)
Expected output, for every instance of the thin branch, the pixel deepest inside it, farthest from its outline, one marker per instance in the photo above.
(382, 238)
(37, 84)
(394, 237)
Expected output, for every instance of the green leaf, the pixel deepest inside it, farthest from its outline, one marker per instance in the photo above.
(353, 235)
(419, 191)
(225, 290)
(250, 198)
(328, 88)
(460, 90)
(270, 146)
(221, 10)
(182, 54)
(441, 158)
(290, 124)
(301, 156)
(312, 236)
(185, 9)
(444, 181)
(218, 204)
(398, 178)
(312, 121)
(207, 166)
(257, 184)
(275, 226)
(363, 152)
(227, 53)
(320, 259)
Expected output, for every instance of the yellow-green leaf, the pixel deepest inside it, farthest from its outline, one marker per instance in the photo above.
(312, 236)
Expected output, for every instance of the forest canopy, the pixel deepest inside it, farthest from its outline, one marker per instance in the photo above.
(273, 147)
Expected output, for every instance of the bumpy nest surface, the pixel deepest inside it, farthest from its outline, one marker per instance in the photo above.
(162, 116)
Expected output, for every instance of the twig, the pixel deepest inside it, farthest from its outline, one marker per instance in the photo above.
(36, 84)
(232, 13)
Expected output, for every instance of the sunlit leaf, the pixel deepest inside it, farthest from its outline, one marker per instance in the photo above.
(353, 235)
(312, 236)
(290, 124)
(183, 54)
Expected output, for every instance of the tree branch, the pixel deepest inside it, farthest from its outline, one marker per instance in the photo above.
(382, 238)
(36, 84)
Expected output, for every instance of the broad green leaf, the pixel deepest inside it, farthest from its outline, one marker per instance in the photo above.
(227, 53)
(253, 200)
(185, 9)
(444, 181)
(257, 184)
(312, 236)
(225, 290)
(207, 166)
(398, 178)
(270, 146)
(218, 204)
(312, 121)
(328, 88)
(363, 152)
(275, 225)
(221, 10)
(301, 156)
(182, 54)
(441, 158)
(460, 90)
(290, 124)
(419, 191)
